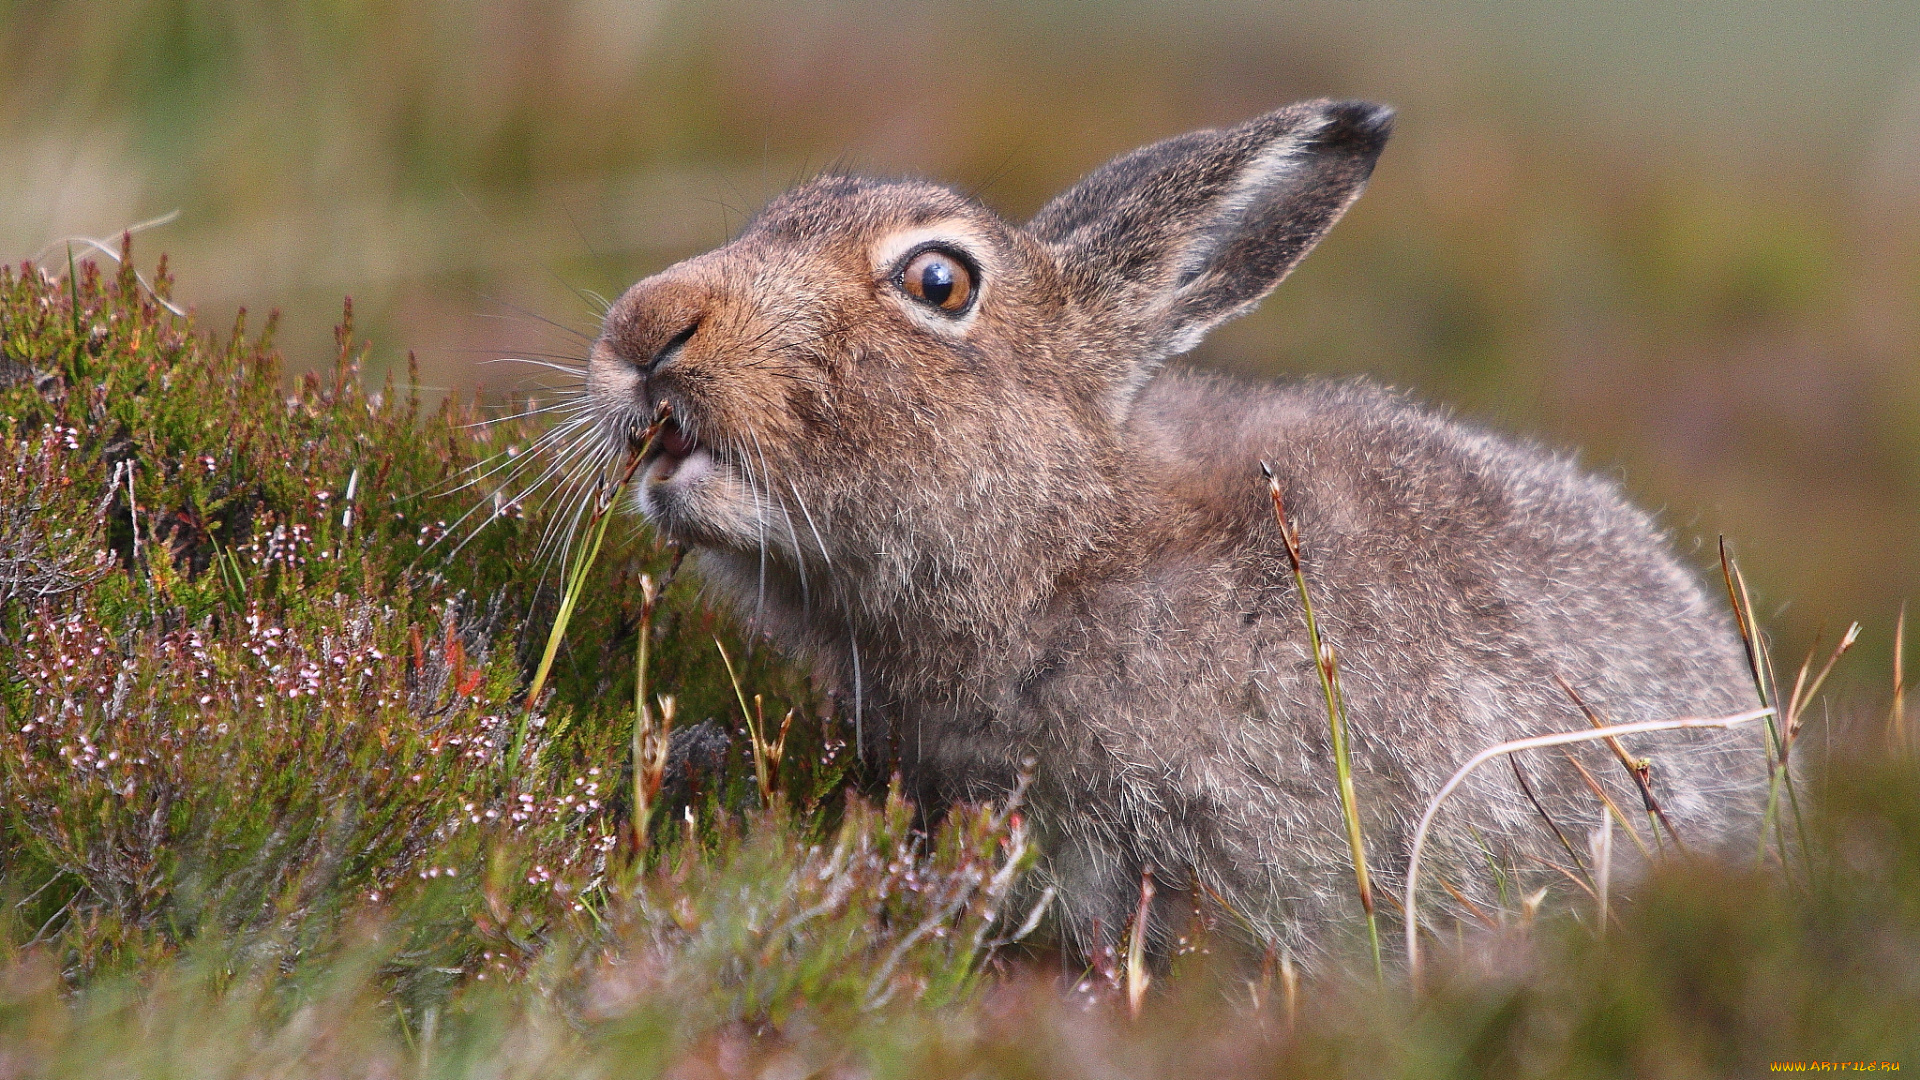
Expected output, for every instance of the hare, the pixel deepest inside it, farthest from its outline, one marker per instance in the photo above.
(939, 457)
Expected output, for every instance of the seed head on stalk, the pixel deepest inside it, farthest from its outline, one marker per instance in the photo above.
(1328, 666)
(604, 501)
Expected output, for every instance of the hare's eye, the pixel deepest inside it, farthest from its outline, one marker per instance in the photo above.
(938, 279)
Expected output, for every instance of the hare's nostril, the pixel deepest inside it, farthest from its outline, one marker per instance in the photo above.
(672, 348)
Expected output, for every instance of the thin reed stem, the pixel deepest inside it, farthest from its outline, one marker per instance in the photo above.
(1897, 713)
(1641, 770)
(762, 776)
(1328, 667)
(577, 576)
(1408, 908)
(650, 743)
(1796, 708)
(1612, 807)
(1527, 790)
(1762, 671)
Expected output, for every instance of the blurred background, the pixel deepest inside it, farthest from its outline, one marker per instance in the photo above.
(1683, 237)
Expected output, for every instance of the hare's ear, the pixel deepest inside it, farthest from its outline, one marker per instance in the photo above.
(1176, 237)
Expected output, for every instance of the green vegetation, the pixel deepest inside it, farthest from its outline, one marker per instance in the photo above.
(273, 802)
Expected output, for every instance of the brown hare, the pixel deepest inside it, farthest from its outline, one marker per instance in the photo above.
(937, 456)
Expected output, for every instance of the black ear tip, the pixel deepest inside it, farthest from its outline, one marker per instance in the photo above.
(1362, 125)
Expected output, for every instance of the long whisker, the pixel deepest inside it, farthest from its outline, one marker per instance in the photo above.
(791, 376)
(551, 365)
(515, 353)
(600, 304)
(815, 529)
(526, 313)
(580, 430)
(754, 347)
(581, 469)
(859, 725)
(562, 460)
(799, 562)
(557, 555)
(853, 639)
(821, 336)
(752, 343)
(745, 465)
(580, 404)
(793, 535)
(519, 457)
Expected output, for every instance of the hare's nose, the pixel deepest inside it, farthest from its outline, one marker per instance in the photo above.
(650, 325)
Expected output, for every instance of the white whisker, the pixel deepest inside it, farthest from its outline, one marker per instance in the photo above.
(564, 369)
(580, 404)
(522, 463)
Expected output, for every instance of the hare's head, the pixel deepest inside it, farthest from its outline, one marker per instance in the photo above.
(887, 377)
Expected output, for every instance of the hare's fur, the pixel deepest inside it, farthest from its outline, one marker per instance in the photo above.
(1007, 535)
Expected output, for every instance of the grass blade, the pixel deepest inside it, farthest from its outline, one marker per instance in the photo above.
(577, 575)
(1329, 668)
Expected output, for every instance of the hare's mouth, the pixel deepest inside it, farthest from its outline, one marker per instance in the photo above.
(688, 494)
(672, 447)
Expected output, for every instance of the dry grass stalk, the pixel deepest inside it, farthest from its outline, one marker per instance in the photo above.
(767, 753)
(1897, 713)
(1797, 702)
(1764, 686)
(1527, 789)
(1641, 769)
(651, 741)
(1803, 691)
(1612, 807)
(1536, 742)
(1137, 977)
(1329, 668)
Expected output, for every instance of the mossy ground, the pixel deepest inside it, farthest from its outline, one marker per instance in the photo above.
(262, 811)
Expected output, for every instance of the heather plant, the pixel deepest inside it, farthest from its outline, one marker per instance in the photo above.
(50, 521)
(250, 689)
(1712, 969)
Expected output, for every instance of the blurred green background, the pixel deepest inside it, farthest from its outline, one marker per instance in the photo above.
(1682, 237)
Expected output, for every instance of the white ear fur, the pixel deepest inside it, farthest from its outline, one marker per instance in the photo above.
(1274, 167)
(1165, 243)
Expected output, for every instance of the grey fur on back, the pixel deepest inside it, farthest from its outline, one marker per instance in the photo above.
(1004, 533)
(1457, 573)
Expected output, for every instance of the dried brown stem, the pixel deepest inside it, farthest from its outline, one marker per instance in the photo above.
(1641, 770)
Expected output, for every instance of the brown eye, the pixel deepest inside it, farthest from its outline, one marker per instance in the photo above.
(936, 278)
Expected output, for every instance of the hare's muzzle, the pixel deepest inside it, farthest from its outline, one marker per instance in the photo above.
(670, 448)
